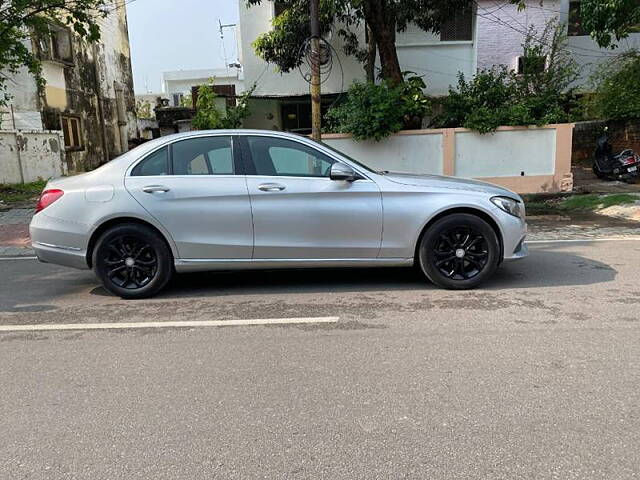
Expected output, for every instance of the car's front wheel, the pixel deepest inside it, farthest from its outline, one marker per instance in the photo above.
(459, 251)
(132, 261)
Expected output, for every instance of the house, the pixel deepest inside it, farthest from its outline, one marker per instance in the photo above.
(88, 93)
(178, 84)
(490, 34)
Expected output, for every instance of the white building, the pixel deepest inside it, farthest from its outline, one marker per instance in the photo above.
(176, 84)
(491, 34)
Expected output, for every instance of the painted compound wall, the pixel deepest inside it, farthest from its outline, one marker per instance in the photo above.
(523, 159)
(28, 156)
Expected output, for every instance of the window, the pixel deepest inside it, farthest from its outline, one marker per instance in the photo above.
(575, 22)
(531, 65)
(286, 158)
(155, 164)
(177, 99)
(296, 117)
(459, 27)
(72, 133)
(203, 156)
(55, 44)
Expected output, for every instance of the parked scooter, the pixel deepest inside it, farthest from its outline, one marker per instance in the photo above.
(624, 166)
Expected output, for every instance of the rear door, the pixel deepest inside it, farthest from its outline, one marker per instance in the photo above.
(299, 212)
(195, 188)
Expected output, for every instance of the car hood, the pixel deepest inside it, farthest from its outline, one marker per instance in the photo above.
(437, 181)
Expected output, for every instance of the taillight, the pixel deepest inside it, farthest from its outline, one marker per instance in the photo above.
(630, 160)
(47, 198)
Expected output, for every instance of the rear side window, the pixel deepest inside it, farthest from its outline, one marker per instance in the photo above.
(155, 164)
(203, 156)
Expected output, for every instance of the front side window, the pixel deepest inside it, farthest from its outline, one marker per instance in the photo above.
(156, 163)
(286, 158)
(203, 156)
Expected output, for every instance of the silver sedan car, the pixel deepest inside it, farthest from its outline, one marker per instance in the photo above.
(249, 199)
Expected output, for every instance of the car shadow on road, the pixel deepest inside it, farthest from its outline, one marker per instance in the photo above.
(546, 267)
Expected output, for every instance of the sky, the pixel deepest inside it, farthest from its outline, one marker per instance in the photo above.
(178, 35)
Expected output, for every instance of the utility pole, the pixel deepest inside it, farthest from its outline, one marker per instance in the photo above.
(315, 70)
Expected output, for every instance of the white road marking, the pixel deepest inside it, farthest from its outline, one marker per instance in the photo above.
(584, 240)
(168, 324)
(18, 258)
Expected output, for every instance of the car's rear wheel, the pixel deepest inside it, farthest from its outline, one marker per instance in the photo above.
(132, 261)
(459, 251)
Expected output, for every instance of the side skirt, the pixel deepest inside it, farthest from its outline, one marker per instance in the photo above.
(200, 264)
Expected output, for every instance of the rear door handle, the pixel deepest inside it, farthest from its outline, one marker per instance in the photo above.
(271, 187)
(155, 189)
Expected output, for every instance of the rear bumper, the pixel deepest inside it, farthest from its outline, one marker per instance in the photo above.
(59, 241)
(60, 255)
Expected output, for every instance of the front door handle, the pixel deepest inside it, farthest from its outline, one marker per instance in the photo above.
(155, 189)
(271, 187)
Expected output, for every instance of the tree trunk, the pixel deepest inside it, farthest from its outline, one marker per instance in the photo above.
(370, 65)
(382, 23)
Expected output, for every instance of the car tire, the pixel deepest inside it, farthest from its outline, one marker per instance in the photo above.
(132, 261)
(459, 252)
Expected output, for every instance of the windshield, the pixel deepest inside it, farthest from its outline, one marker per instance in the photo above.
(351, 159)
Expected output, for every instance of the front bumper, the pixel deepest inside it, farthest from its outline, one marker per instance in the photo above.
(514, 233)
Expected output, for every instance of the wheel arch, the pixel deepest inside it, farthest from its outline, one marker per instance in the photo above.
(468, 210)
(112, 222)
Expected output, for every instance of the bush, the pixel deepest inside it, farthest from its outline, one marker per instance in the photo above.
(480, 104)
(208, 116)
(542, 93)
(375, 111)
(617, 95)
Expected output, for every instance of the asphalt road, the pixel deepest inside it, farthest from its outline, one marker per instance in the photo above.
(536, 375)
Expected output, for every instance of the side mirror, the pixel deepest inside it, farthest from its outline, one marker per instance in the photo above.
(340, 171)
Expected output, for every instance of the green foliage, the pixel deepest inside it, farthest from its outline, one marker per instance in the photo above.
(617, 95)
(374, 111)
(21, 19)
(597, 202)
(541, 94)
(580, 203)
(480, 104)
(20, 192)
(209, 116)
(143, 109)
(611, 20)
(186, 101)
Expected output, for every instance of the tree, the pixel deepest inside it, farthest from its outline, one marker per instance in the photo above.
(617, 96)
(609, 20)
(209, 116)
(540, 94)
(21, 19)
(383, 19)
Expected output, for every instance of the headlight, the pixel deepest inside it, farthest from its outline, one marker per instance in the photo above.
(509, 205)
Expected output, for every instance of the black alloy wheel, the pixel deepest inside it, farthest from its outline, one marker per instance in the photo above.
(459, 251)
(132, 261)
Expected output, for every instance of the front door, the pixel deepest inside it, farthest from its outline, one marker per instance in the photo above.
(192, 187)
(299, 212)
